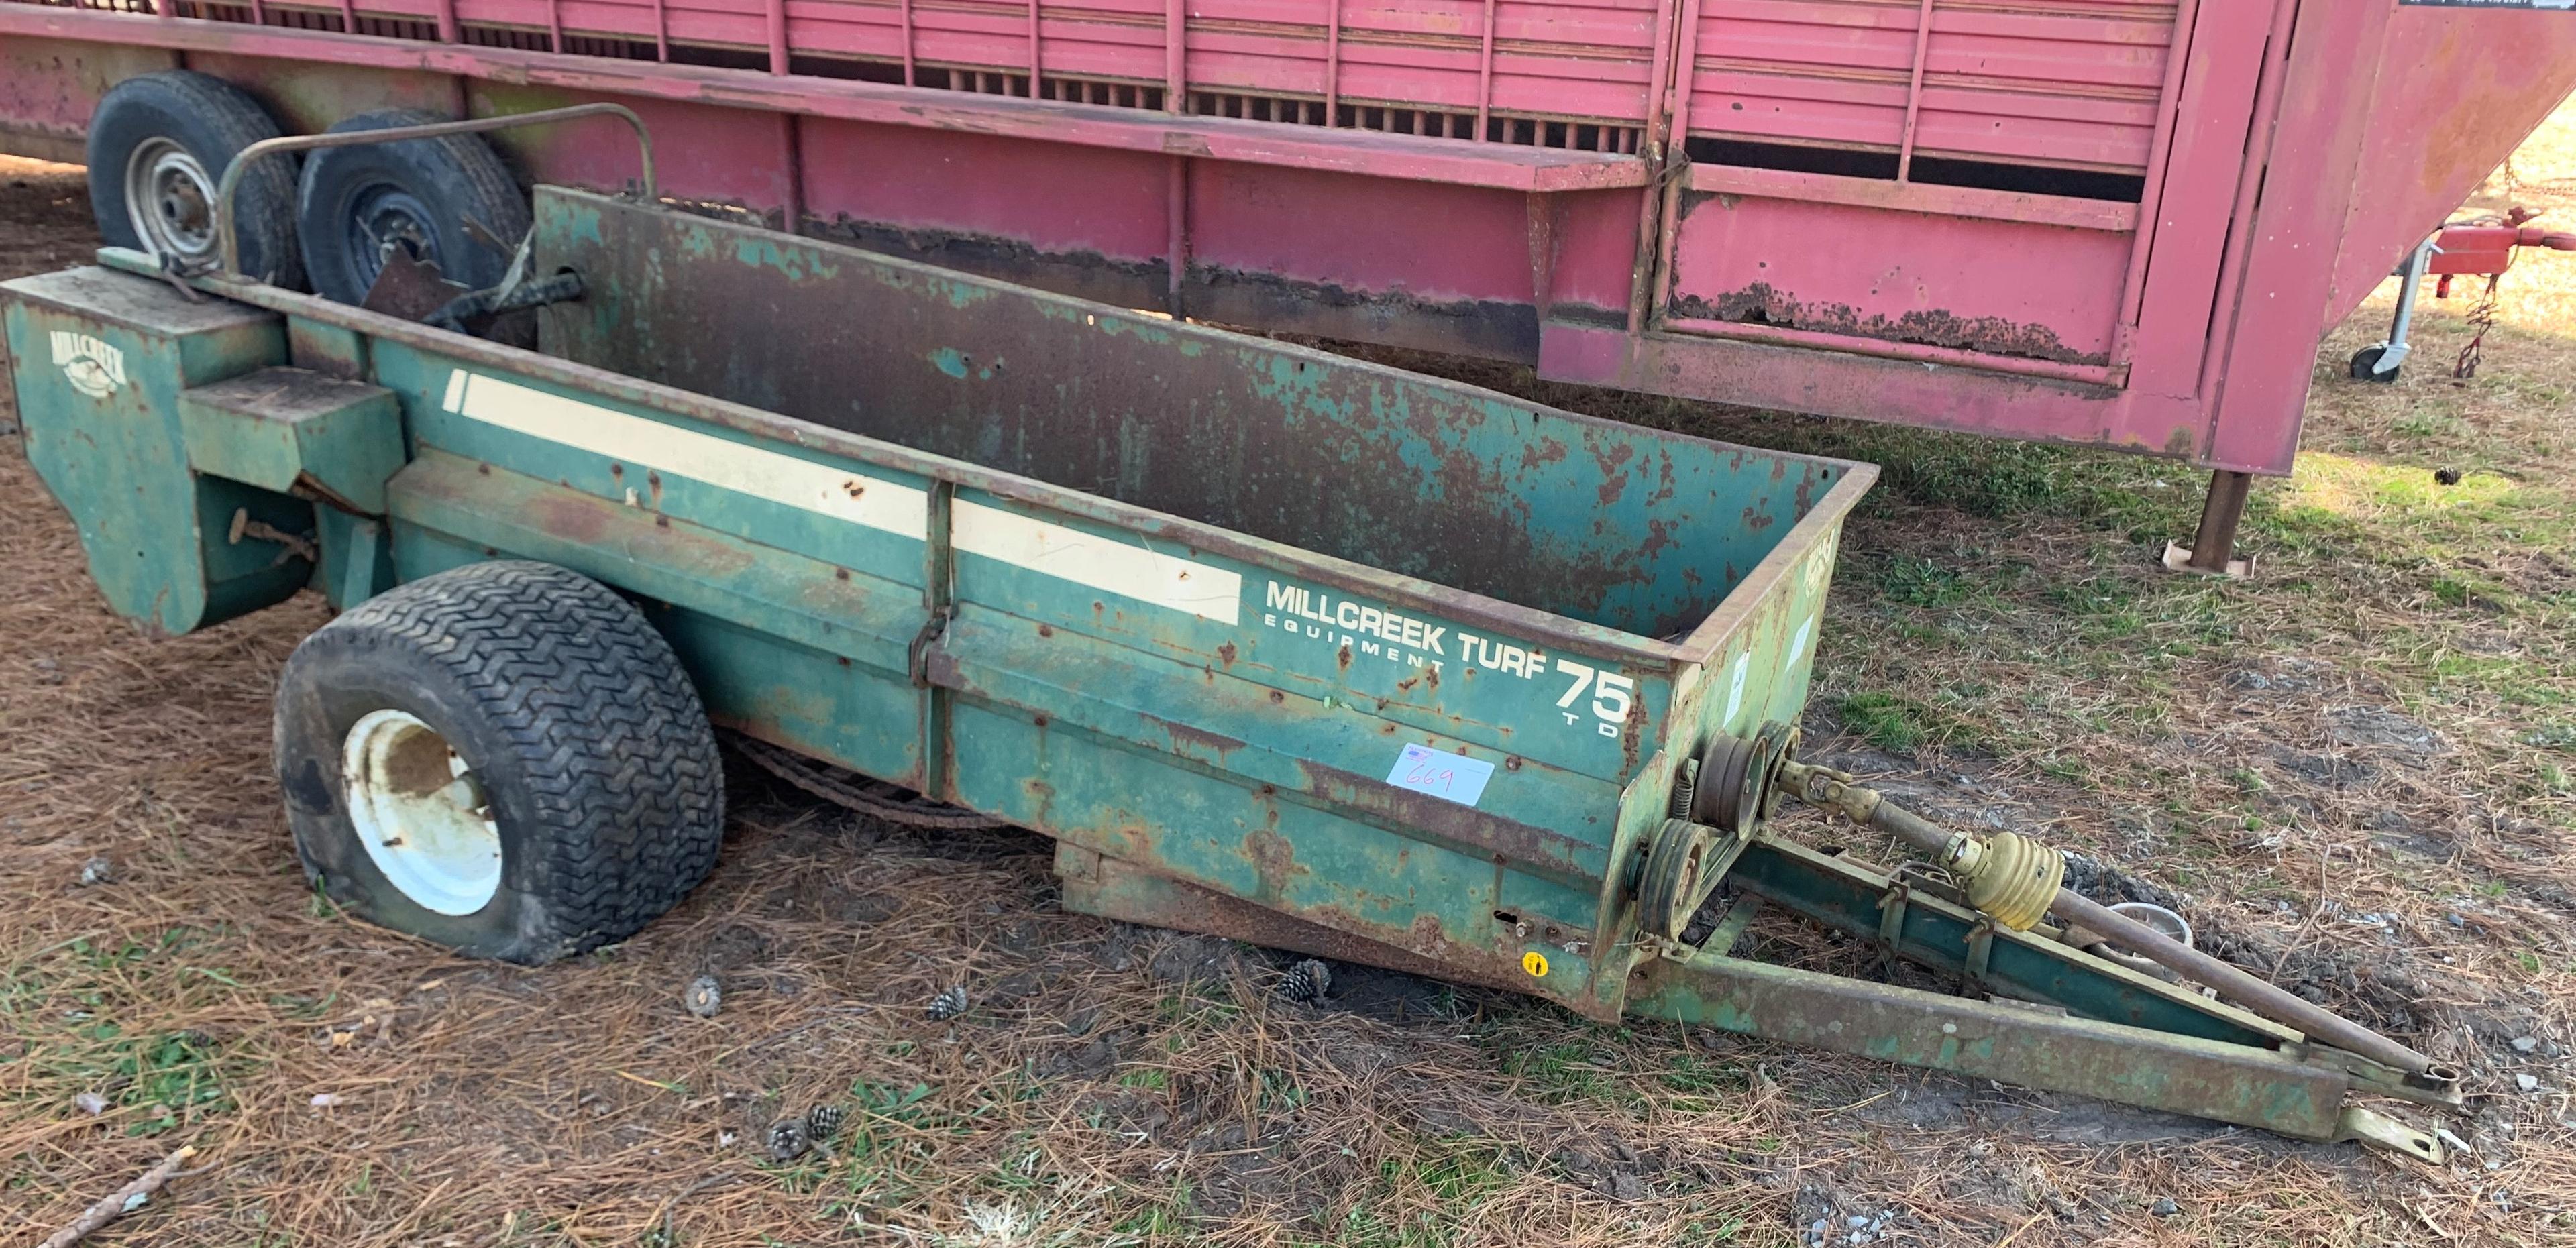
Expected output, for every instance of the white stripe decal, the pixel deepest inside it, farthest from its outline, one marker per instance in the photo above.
(888, 506)
(1209, 593)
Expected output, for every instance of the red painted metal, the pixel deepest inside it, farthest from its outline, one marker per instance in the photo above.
(1914, 92)
(2151, 191)
(2315, 172)
(1485, 76)
(1332, 61)
(1923, 197)
(1918, 352)
(2454, 90)
(2486, 249)
(2117, 222)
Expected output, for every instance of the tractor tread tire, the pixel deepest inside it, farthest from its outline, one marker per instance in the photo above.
(605, 737)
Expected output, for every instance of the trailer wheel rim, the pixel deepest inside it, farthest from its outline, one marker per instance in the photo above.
(421, 814)
(387, 216)
(170, 200)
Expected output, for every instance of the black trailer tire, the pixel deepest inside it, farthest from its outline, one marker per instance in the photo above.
(418, 193)
(2365, 366)
(158, 145)
(504, 758)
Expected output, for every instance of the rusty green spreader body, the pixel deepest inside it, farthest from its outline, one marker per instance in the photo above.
(1274, 644)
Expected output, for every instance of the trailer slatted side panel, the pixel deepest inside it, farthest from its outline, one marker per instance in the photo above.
(2066, 83)
(2070, 84)
(1421, 68)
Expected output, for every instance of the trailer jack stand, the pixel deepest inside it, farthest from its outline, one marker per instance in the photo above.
(2213, 545)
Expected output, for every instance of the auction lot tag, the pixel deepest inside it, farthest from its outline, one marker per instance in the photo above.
(1449, 777)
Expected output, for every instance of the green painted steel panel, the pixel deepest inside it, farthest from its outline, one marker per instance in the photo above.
(785, 647)
(1628, 529)
(285, 428)
(102, 360)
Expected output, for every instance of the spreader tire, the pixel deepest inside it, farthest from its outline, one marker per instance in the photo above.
(504, 759)
(158, 145)
(417, 193)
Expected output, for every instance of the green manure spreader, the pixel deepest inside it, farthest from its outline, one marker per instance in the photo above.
(1275, 645)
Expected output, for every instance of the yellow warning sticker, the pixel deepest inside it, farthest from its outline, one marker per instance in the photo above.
(1535, 963)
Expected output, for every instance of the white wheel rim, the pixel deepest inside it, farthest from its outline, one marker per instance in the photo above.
(170, 200)
(420, 812)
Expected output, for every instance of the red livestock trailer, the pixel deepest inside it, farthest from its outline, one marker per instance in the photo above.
(2109, 222)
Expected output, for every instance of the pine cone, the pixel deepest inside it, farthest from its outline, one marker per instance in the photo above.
(822, 1121)
(1307, 982)
(787, 1139)
(703, 998)
(948, 1004)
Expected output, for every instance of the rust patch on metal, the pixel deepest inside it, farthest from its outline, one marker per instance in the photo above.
(309, 486)
(1550, 853)
(1273, 859)
(1614, 471)
(1328, 933)
(1631, 734)
(1492, 328)
(1763, 304)
(1185, 737)
(1540, 452)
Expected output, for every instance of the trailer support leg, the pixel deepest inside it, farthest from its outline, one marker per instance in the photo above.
(2213, 545)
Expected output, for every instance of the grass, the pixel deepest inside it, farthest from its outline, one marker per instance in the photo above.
(2357, 764)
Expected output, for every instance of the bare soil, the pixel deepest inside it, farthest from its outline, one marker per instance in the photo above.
(2351, 773)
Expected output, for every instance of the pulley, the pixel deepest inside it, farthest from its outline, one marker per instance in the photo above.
(1676, 878)
(1733, 786)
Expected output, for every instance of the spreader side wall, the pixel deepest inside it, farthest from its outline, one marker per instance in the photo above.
(1601, 521)
(1193, 715)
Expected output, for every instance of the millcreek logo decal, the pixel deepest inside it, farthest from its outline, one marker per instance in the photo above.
(94, 368)
(1370, 632)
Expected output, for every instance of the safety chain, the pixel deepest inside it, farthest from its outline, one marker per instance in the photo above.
(2481, 319)
(877, 799)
